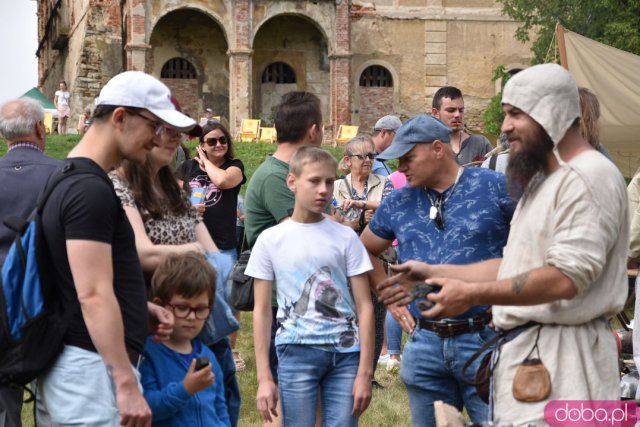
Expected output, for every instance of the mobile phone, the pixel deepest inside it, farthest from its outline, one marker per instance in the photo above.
(201, 362)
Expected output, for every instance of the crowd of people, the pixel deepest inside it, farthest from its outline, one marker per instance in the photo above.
(518, 263)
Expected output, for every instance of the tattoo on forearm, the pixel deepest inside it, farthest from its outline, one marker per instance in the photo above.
(518, 282)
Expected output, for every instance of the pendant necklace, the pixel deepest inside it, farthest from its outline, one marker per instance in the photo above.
(437, 204)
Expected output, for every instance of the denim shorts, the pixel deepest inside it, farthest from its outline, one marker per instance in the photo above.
(78, 391)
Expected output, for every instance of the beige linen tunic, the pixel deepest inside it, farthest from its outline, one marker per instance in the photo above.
(577, 221)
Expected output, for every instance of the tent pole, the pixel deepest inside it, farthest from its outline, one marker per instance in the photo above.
(561, 46)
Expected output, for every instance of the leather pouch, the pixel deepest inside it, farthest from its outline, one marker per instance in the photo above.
(531, 382)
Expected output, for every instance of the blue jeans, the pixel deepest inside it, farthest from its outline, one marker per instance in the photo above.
(431, 371)
(224, 356)
(302, 370)
(394, 334)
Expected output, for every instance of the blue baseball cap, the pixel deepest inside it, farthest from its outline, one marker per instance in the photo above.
(421, 129)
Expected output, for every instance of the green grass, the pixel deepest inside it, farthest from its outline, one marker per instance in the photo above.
(389, 407)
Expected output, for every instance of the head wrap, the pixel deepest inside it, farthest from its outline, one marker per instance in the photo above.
(548, 94)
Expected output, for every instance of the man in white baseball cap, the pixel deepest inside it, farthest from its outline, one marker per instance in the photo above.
(563, 272)
(91, 243)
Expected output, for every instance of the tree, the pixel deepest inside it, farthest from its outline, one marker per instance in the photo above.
(493, 115)
(612, 22)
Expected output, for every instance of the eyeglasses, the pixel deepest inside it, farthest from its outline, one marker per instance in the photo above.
(183, 311)
(369, 156)
(211, 142)
(171, 133)
(159, 126)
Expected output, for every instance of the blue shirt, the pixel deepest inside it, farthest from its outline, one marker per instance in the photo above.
(380, 168)
(162, 374)
(476, 215)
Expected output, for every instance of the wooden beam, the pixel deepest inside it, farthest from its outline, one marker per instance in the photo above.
(561, 45)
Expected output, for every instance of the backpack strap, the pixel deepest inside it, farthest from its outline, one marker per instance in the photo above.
(70, 168)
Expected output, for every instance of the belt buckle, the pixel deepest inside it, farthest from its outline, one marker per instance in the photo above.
(450, 329)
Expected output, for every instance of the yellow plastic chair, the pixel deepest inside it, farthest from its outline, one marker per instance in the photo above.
(267, 135)
(345, 133)
(48, 122)
(249, 130)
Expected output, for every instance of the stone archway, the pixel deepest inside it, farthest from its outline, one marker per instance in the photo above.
(203, 43)
(295, 41)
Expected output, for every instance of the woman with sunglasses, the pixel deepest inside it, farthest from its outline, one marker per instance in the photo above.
(221, 175)
(357, 196)
(164, 222)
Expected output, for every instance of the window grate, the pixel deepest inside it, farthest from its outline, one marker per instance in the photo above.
(178, 68)
(278, 73)
(376, 76)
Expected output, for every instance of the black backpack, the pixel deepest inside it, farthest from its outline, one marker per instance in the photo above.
(33, 321)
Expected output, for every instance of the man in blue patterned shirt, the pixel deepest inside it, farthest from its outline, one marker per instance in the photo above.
(446, 214)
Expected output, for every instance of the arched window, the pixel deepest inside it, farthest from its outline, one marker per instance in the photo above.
(376, 76)
(278, 73)
(178, 68)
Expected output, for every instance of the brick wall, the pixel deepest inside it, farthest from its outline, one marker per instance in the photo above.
(340, 74)
(186, 92)
(375, 102)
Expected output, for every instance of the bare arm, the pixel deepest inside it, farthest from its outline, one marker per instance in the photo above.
(204, 238)
(395, 289)
(267, 395)
(360, 204)
(537, 286)
(223, 178)
(92, 271)
(150, 254)
(364, 310)
(375, 246)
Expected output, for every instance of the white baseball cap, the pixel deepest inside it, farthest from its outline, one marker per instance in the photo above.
(140, 90)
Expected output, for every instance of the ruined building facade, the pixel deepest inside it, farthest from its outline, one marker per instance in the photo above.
(362, 59)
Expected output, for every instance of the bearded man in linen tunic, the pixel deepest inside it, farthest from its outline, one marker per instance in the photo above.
(564, 263)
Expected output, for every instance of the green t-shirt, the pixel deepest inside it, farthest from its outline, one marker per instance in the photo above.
(267, 201)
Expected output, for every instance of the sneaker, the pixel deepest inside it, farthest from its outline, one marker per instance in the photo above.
(383, 359)
(393, 365)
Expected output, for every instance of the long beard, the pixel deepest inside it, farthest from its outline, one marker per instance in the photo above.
(527, 167)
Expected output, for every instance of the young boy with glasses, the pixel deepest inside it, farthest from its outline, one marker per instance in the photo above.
(325, 339)
(181, 390)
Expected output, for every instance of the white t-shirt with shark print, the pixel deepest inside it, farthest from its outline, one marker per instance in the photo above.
(311, 264)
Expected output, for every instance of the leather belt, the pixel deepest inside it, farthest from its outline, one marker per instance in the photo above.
(450, 328)
(135, 358)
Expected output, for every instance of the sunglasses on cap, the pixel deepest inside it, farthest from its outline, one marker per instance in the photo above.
(211, 142)
(369, 156)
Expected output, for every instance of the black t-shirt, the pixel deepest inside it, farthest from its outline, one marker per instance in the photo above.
(220, 205)
(85, 207)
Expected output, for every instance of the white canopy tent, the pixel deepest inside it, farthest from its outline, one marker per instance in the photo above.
(614, 76)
